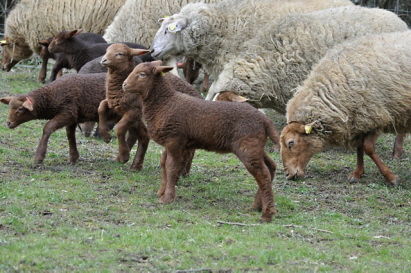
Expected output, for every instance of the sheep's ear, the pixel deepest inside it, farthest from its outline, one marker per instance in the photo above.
(309, 127)
(28, 104)
(162, 69)
(6, 100)
(137, 51)
(177, 25)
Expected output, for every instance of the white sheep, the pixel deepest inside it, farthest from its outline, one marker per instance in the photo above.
(31, 21)
(213, 33)
(357, 91)
(281, 56)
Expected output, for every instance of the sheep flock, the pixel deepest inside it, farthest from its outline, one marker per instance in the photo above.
(340, 73)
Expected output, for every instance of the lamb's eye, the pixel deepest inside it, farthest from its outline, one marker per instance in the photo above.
(142, 75)
(21, 108)
(119, 54)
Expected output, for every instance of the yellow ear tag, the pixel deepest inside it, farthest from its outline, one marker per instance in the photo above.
(162, 74)
(308, 129)
(3, 41)
(172, 27)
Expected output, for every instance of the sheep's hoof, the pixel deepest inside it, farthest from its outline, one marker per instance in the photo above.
(166, 200)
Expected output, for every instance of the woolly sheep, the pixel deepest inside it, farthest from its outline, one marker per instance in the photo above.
(71, 99)
(357, 91)
(182, 123)
(31, 21)
(282, 55)
(213, 33)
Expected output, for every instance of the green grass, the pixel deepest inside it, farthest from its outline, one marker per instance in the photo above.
(97, 216)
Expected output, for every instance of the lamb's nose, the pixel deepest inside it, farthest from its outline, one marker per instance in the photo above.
(124, 84)
(8, 124)
(103, 61)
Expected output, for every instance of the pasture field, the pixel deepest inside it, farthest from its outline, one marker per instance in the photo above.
(97, 216)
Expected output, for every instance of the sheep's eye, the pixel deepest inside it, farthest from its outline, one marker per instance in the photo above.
(142, 75)
(21, 108)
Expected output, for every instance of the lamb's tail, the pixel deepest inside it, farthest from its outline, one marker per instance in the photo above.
(273, 135)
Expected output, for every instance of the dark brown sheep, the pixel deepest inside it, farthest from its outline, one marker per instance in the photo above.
(182, 123)
(71, 99)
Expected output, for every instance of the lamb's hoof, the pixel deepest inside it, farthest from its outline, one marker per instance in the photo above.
(38, 161)
(353, 180)
(166, 200)
(136, 168)
(160, 192)
(122, 159)
(395, 182)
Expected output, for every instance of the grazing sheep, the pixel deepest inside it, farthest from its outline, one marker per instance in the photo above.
(76, 51)
(31, 21)
(127, 107)
(357, 91)
(60, 60)
(182, 123)
(66, 102)
(212, 34)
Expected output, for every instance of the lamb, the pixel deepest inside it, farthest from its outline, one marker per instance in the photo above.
(357, 91)
(182, 123)
(71, 99)
(127, 107)
(199, 29)
(31, 21)
(60, 60)
(76, 51)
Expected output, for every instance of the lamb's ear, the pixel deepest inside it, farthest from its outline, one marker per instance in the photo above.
(73, 32)
(138, 51)
(6, 100)
(162, 69)
(28, 104)
(157, 62)
(177, 25)
(237, 98)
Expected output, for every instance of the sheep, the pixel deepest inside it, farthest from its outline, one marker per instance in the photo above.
(182, 123)
(76, 51)
(71, 99)
(357, 91)
(60, 60)
(212, 34)
(31, 21)
(120, 61)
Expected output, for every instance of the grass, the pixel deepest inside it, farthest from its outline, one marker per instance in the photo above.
(97, 216)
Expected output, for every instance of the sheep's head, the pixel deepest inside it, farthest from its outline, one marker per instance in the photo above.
(61, 42)
(299, 142)
(120, 55)
(142, 78)
(167, 39)
(20, 110)
(13, 52)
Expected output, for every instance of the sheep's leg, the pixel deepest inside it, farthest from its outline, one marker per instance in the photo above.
(398, 146)
(257, 205)
(356, 175)
(71, 136)
(369, 144)
(163, 160)
(263, 175)
(143, 141)
(50, 127)
(174, 165)
(102, 121)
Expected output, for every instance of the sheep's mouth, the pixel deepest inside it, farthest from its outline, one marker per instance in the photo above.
(156, 54)
(292, 176)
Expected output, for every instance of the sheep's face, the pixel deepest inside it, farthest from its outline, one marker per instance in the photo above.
(298, 145)
(120, 56)
(141, 79)
(13, 53)
(20, 110)
(167, 40)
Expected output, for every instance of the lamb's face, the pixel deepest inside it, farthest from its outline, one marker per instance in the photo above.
(62, 41)
(167, 40)
(12, 53)
(140, 79)
(20, 110)
(298, 145)
(116, 55)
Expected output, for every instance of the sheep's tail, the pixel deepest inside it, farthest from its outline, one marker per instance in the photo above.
(273, 135)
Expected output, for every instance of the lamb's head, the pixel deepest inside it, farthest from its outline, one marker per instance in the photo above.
(120, 56)
(13, 52)
(63, 40)
(299, 142)
(141, 80)
(20, 110)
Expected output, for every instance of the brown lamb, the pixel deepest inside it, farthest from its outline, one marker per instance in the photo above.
(71, 99)
(182, 123)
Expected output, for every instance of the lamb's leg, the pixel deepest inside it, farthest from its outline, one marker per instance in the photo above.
(369, 144)
(102, 121)
(398, 146)
(163, 160)
(55, 71)
(356, 175)
(188, 160)
(50, 127)
(263, 175)
(43, 70)
(143, 141)
(257, 205)
(174, 165)
(121, 129)
(71, 136)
